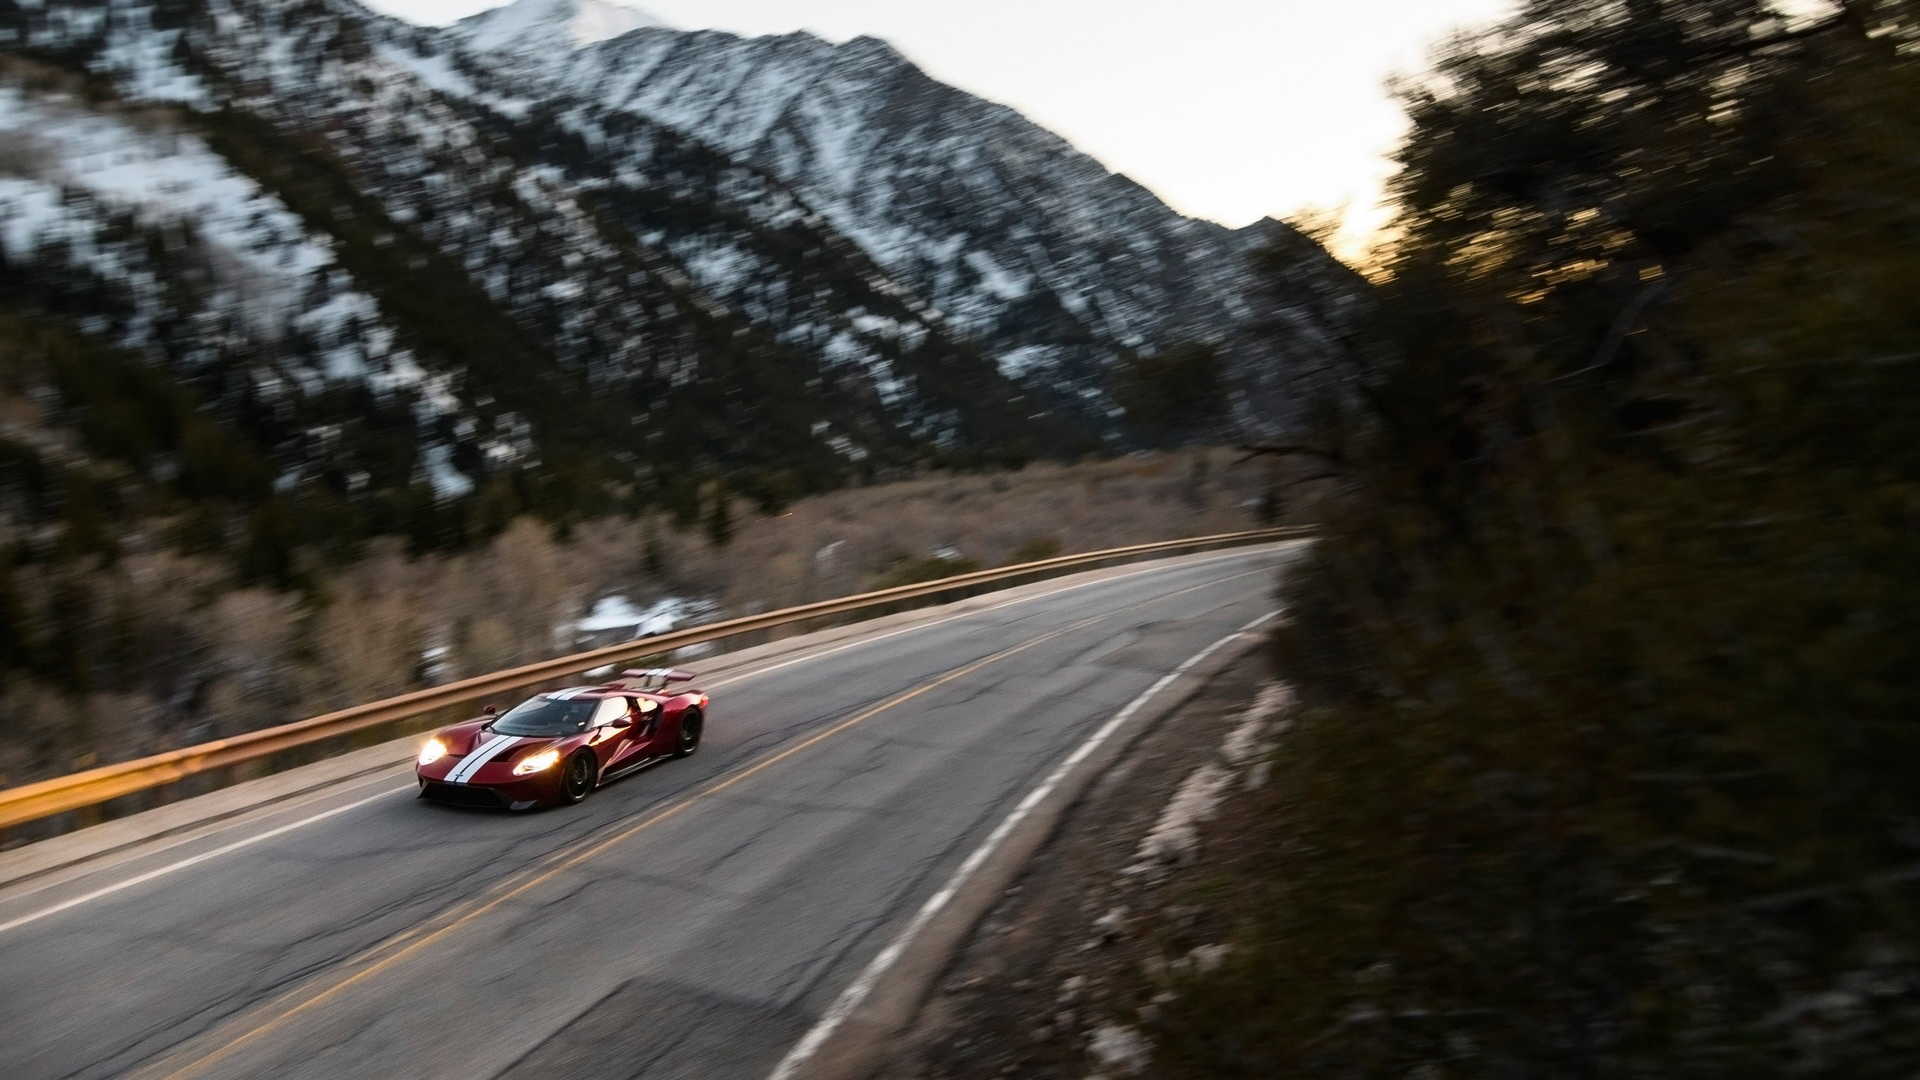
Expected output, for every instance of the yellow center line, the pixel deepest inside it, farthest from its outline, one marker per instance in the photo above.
(576, 858)
(320, 996)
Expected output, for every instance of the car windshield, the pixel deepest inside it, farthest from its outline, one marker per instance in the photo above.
(546, 716)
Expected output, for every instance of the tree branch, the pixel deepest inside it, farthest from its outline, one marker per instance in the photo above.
(1900, 876)
(1316, 476)
(1845, 17)
(1250, 452)
(1623, 324)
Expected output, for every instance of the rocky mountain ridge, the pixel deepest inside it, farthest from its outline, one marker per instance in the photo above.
(558, 255)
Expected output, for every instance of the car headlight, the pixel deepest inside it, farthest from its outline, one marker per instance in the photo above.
(431, 751)
(533, 763)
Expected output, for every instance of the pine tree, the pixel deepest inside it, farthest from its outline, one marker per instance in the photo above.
(1606, 651)
(720, 518)
(16, 633)
(654, 556)
(1271, 501)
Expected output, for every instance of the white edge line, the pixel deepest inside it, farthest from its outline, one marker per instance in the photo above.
(18, 890)
(162, 871)
(857, 991)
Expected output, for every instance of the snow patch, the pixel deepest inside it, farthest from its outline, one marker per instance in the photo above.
(1175, 837)
(572, 24)
(719, 266)
(1244, 742)
(847, 448)
(1015, 363)
(436, 664)
(83, 168)
(826, 560)
(1001, 283)
(1206, 959)
(876, 324)
(437, 72)
(617, 613)
(448, 482)
(140, 58)
(1117, 1046)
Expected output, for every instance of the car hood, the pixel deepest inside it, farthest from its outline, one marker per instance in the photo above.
(464, 739)
(515, 745)
(475, 755)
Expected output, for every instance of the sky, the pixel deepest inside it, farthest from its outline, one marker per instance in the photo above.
(1227, 109)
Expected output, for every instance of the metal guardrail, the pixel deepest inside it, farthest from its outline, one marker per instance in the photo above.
(31, 802)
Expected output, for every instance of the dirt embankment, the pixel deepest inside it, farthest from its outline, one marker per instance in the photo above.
(1066, 974)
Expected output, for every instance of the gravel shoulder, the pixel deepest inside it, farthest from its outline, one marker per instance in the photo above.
(1133, 890)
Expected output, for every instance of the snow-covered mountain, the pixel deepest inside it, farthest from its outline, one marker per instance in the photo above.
(1022, 242)
(562, 233)
(549, 27)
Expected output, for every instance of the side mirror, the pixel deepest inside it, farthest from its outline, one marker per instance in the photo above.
(490, 710)
(624, 720)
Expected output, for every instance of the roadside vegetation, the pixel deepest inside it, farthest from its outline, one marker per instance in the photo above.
(105, 656)
(1605, 762)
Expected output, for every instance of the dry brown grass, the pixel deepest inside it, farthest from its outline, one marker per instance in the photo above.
(839, 543)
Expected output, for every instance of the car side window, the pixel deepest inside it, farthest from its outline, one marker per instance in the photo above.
(610, 709)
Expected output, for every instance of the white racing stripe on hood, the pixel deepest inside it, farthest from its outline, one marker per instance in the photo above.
(479, 756)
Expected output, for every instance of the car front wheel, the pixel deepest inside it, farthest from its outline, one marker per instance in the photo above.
(577, 782)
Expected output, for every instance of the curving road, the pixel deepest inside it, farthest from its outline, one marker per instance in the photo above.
(690, 921)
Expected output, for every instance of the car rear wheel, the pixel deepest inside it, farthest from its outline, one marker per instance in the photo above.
(690, 727)
(577, 782)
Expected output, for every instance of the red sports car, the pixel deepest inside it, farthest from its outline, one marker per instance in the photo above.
(558, 746)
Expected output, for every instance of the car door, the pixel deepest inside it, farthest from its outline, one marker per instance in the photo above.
(650, 728)
(612, 739)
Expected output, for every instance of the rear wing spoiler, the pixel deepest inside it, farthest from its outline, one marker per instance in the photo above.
(656, 678)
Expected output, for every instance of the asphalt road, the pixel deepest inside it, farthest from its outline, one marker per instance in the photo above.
(690, 921)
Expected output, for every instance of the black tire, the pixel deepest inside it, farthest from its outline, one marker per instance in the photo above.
(691, 726)
(576, 783)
